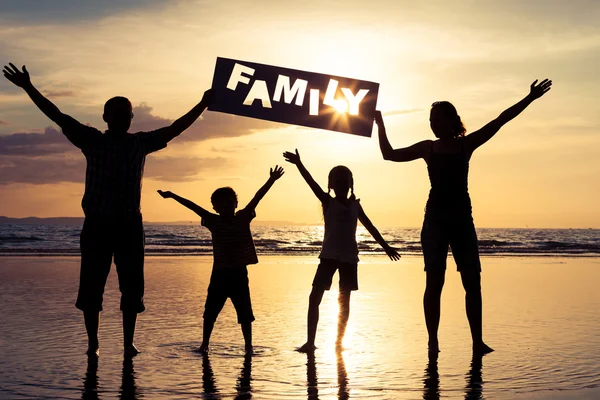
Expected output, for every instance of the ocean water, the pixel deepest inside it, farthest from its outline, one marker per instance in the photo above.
(194, 239)
(540, 314)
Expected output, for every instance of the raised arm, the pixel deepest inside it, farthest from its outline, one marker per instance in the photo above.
(389, 250)
(477, 138)
(275, 173)
(22, 80)
(186, 203)
(294, 158)
(170, 132)
(414, 152)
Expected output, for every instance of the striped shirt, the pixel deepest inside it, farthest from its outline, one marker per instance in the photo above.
(232, 240)
(115, 166)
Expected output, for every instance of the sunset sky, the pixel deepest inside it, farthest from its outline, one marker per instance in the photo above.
(541, 170)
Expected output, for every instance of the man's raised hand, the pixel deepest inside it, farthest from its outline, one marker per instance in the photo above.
(19, 78)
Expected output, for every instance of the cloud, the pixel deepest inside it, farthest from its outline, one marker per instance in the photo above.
(45, 11)
(50, 142)
(71, 168)
(42, 170)
(59, 93)
(210, 125)
(181, 169)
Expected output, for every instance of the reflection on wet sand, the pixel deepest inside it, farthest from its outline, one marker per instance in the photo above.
(312, 381)
(90, 382)
(474, 389)
(129, 390)
(243, 384)
(431, 380)
(343, 391)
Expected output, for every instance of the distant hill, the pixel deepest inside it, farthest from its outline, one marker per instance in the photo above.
(79, 221)
(43, 221)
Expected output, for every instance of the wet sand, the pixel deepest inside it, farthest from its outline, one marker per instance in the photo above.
(540, 314)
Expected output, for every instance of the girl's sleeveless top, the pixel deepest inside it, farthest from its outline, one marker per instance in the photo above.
(339, 242)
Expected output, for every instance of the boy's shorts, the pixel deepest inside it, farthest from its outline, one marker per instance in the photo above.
(100, 239)
(459, 234)
(326, 270)
(229, 283)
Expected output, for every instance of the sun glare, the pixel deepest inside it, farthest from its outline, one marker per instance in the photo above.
(341, 106)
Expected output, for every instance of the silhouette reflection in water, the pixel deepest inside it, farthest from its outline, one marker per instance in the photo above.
(129, 390)
(474, 390)
(90, 382)
(209, 388)
(431, 381)
(312, 382)
(343, 392)
(243, 384)
(311, 377)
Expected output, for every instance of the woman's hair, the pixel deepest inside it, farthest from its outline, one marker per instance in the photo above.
(338, 173)
(445, 107)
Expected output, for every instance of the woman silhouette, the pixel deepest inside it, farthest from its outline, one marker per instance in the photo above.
(448, 219)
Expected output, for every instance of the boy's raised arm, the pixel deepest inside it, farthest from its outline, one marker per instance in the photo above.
(186, 203)
(66, 122)
(294, 158)
(274, 174)
(389, 250)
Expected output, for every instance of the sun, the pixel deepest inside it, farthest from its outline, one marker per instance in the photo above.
(341, 106)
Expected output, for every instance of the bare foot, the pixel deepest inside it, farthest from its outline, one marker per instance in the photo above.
(203, 349)
(93, 351)
(433, 347)
(482, 349)
(130, 351)
(306, 348)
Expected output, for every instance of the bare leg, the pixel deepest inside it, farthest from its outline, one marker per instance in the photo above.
(129, 321)
(207, 329)
(431, 305)
(472, 284)
(316, 295)
(92, 322)
(247, 332)
(344, 302)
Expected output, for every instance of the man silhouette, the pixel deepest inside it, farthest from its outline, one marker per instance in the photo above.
(111, 202)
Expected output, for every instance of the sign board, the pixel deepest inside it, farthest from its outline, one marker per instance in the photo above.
(294, 97)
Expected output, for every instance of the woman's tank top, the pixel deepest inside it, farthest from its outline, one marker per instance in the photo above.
(449, 194)
(339, 242)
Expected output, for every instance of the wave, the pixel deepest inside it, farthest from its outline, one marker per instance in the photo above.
(20, 239)
(181, 240)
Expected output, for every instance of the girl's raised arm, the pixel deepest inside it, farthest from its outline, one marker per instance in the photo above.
(294, 158)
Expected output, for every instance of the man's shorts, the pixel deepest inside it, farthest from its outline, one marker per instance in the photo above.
(326, 270)
(100, 240)
(459, 234)
(229, 283)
